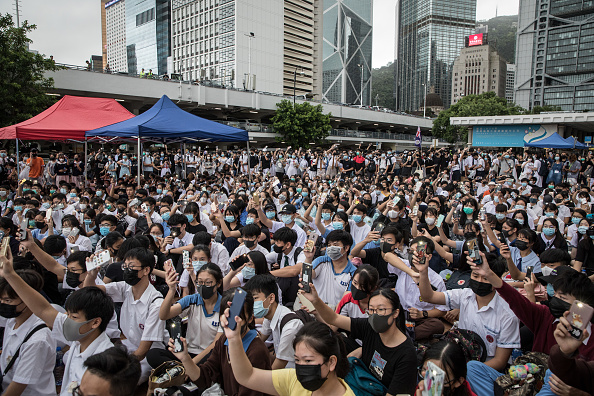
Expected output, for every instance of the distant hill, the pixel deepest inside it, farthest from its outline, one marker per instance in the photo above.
(383, 86)
(502, 32)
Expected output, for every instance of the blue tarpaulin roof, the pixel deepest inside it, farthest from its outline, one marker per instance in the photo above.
(573, 141)
(553, 141)
(167, 121)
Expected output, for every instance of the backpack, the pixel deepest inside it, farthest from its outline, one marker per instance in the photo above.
(361, 381)
(505, 385)
(544, 168)
(300, 314)
(371, 166)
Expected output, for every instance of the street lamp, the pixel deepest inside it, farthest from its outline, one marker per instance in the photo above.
(295, 83)
(361, 66)
(376, 99)
(425, 103)
(250, 36)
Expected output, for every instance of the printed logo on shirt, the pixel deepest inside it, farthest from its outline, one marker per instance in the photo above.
(377, 365)
(141, 326)
(344, 283)
(490, 338)
(214, 323)
(461, 282)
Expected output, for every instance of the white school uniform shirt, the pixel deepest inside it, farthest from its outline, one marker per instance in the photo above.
(202, 327)
(139, 319)
(408, 291)
(531, 260)
(219, 256)
(283, 342)
(331, 286)
(74, 359)
(84, 243)
(272, 258)
(184, 241)
(495, 323)
(358, 233)
(242, 249)
(301, 235)
(37, 357)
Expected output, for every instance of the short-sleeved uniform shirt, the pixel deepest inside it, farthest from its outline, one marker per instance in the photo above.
(329, 284)
(283, 341)
(202, 326)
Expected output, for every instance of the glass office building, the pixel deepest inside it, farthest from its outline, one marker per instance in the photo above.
(347, 36)
(555, 54)
(429, 37)
(148, 35)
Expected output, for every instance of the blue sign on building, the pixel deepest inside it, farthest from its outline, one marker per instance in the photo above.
(509, 135)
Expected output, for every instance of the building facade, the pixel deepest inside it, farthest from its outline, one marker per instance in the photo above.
(429, 37)
(477, 70)
(510, 81)
(148, 37)
(555, 54)
(346, 47)
(115, 36)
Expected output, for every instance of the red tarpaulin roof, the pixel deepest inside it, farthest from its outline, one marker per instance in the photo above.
(68, 118)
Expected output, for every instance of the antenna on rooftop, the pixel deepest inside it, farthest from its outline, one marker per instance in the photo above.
(17, 12)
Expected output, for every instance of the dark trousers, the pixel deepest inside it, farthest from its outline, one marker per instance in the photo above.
(425, 328)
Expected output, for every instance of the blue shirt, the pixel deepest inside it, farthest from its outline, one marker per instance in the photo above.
(329, 284)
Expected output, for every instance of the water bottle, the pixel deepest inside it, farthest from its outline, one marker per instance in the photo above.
(59, 368)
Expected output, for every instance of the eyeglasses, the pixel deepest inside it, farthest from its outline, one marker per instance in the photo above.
(78, 272)
(77, 392)
(124, 267)
(379, 311)
(207, 284)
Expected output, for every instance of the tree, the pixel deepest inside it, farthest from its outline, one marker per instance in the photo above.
(487, 104)
(543, 109)
(383, 86)
(300, 124)
(23, 85)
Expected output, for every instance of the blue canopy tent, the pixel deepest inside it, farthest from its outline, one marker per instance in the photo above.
(575, 144)
(166, 121)
(553, 141)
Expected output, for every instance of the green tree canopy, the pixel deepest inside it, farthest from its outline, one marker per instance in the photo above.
(301, 124)
(23, 86)
(382, 80)
(487, 104)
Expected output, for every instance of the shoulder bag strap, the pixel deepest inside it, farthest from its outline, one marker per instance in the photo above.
(18, 351)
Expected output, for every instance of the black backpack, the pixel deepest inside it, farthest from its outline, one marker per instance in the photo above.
(371, 166)
(300, 314)
(289, 286)
(544, 168)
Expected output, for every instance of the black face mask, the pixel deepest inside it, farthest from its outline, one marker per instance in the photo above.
(557, 307)
(386, 247)
(131, 276)
(278, 249)
(249, 244)
(367, 202)
(310, 376)
(39, 224)
(505, 233)
(481, 289)
(205, 292)
(358, 294)
(522, 245)
(72, 279)
(9, 311)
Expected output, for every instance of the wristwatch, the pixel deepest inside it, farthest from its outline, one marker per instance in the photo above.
(425, 314)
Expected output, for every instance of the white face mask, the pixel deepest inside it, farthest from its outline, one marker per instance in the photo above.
(392, 214)
(546, 271)
(430, 220)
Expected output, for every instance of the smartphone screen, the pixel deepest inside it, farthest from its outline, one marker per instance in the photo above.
(529, 271)
(439, 220)
(580, 315)
(311, 242)
(306, 277)
(174, 327)
(24, 225)
(238, 262)
(421, 251)
(433, 380)
(236, 307)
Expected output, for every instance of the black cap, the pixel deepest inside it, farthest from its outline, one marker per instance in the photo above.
(289, 209)
(562, 269)
(269, 206)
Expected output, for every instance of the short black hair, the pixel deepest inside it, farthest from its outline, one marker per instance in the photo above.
(146, 258)
(265, 283)
(340, 236)
(398, 235)
(93, 303)
(550, 256)
(201, 238)
(575, 284)
(428, 241)
(177, 220)
(80, 257)
(31, 277)
(54, 244)
(111, 219)
(251, 230)
(286, 235)
(120, 369)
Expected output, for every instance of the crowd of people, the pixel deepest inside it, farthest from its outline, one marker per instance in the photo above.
(359, 271)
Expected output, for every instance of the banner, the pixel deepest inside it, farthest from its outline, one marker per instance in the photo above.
(418, 138)
(510, 135)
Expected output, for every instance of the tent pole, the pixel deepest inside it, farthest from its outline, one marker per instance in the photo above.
(138, 162)
(18, 159)
(184, 160)
(248, 154)
(86, 161)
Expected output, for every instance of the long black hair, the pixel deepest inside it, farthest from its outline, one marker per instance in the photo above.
(319, 337)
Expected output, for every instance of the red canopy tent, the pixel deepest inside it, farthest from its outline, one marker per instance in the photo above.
(69, 118)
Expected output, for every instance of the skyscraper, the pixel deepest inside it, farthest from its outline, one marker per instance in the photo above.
(429, 36)
(555, 54)
(115, 36)
(346, 48)
(148, 37)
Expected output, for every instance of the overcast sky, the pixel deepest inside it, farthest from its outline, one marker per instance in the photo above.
(70, 30)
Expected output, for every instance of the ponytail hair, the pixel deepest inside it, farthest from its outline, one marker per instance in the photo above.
(320, 337)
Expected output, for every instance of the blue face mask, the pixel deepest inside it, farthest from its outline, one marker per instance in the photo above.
(63, 190)
(326, 216)
(550, 290)
(165, 216)
(229, 219)
(259, 310)
(249, 220)
(196, 265)
(190, 217)
(304, 193)
(520, 221)
(88, 221)
(72, 195)
(357, 218)
(500, 216)
(270, 215)
(337, 225)
(104, 230)
(576, 220)
(248, 273)
(45, 205)
(548, 231)
(287, 219)
(99, 193)
(582, 229)
(550, 214)
(18, 208)
(159, 190)
(340, 210)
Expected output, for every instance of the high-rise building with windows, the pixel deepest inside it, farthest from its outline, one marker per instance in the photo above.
(346, 47)
(148, 37)
(510, 81)
(115, 36)
(429, 36)
(263, 45)
(555, 54)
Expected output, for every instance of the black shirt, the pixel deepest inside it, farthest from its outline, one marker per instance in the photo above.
(374, 258)
(194, 229)
(395, 367)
